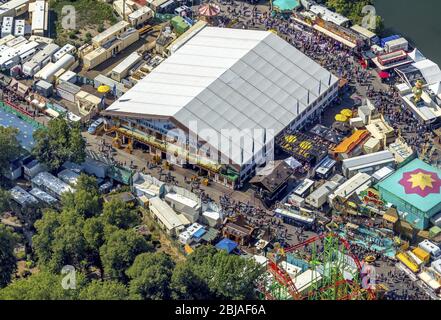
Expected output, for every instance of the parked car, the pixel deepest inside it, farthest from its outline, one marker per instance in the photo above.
(95, 125)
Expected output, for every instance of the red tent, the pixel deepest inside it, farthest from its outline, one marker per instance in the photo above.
(384, 75)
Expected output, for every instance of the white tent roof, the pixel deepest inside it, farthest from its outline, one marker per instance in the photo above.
(417, 55)
(229, 79)
(430, 70)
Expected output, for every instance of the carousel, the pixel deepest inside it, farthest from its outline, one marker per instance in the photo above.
(208, 11)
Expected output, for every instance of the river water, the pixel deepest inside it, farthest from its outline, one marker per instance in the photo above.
(419, 21)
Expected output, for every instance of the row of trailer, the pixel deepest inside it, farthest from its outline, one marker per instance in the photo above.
(425, 262)
(35, 58)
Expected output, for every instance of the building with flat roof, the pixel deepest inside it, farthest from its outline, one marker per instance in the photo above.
(320, 195)
(380, 130)
(110, 33)
(415, 190)
(185, 202)
(329, 15)
(14, 8)
(223, 81)
(22, 197)
(51, 184)
(172, 222)
(358, 183)
(39, 11)
(351, 146)
(367, 163)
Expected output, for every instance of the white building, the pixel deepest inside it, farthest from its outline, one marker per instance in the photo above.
(146, 185)
(122, 69)
(7, 26)
(185, 202)
(368, 163)
(49, 71)
(20, 28)
(39, 60)
(66, 49)
(51, 184)
(140, 16)
(430, 247)
(358, 183)
(15, 55)
(110, 33)
(320, 196)
(14, 8)
(226, 80)
(172, 222)
(329, 15)
(40, 12)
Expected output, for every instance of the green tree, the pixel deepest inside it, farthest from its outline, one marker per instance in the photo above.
(5, 198)
(77, 144)
(215, 274)
(43, 239)
(86, 200)
(120, 214)
(87, 183)
(8, 261)
(119, 252)
(104, 290)
(59, 143)
(10, 147)
(69, 246)
(43, 285)
(60, 241)
(94, 233)
(150, 276)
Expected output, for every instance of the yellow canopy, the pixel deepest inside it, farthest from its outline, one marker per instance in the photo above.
(346, 113)
(103, 89)
(341, 118)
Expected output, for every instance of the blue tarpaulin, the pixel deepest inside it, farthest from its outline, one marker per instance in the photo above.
(383, 41)
(199, 233)
(227, 245)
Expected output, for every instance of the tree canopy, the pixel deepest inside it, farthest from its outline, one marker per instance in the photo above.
(8, 261)
(104, 290)
(10, 147)
(60, 241)
(5, 198)
(120, 214)
(58, 143)
(212, 274)
(86, 199)
(43, 285)
(120, 251)
(150, 276)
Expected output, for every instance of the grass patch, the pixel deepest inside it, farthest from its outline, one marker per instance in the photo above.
(91, 16)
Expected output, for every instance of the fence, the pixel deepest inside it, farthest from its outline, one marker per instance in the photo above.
(16, 111)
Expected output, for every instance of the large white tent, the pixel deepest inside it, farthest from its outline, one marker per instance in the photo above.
(231, 79)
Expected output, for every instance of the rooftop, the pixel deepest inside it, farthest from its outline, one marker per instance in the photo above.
(349, 143)
(417, 183)
(229, 79)
(165, 213)
(359, 181)
(370, 159)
